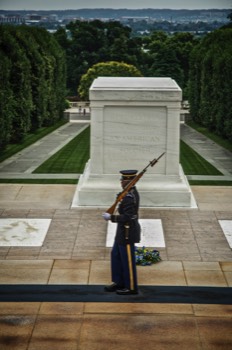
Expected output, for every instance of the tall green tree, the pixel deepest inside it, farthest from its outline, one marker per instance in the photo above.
(7, 102)
(167, 64)
(88, 43)
(33, 69)
(168, 56)
(20, 84)
(27, 42)
(182, 44)
(106, 69)
(55, 74)
(210, 92)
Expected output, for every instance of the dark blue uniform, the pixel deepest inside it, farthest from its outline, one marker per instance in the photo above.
(123, 266)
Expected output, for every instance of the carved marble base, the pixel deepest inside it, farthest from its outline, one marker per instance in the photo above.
(155, 190)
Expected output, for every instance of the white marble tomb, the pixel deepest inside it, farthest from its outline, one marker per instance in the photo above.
(133, 121)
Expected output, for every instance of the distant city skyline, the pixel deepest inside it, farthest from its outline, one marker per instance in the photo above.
(129, 4)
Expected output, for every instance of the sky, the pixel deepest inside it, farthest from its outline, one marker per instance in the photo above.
(130, 4)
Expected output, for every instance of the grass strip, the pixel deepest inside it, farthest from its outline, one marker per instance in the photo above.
(71, 159)
(40, 181)
(29, 140)
(193, 163)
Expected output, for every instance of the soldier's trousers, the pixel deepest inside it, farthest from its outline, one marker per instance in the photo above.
(123, 266)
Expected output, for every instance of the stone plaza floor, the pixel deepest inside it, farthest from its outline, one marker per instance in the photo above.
(56, 261)
(62, 304)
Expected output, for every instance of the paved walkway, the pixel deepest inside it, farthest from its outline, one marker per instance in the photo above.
(216, 155)
(74, 254)
(22, 164)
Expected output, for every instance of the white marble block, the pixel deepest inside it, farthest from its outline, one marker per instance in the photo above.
(23, 232)
(133, 121)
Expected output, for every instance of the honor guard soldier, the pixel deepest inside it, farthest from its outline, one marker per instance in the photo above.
(123, 265)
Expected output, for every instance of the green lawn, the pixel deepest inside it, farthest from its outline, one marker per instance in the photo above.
(193, 163)
(70, 159)
(40, 181)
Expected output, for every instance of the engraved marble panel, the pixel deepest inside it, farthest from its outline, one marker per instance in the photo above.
(134, 143)
(151, 233)
(23, 232)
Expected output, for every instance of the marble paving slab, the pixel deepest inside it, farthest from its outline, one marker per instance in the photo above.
(226, 226)
(151, 233)
(23, 232)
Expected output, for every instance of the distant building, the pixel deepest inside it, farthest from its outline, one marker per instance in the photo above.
(53, 17)
(34, 17)
(11, 19)
(125, 19)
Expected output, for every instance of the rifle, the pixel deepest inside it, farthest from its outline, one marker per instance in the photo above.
(131, 184)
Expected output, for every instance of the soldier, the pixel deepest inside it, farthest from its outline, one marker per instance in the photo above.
(123, 266)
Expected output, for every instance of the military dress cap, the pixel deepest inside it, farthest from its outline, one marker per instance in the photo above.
(128, 174)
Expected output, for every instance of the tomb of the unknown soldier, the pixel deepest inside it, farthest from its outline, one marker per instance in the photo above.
(133, 121)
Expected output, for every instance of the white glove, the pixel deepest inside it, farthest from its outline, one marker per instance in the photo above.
(106, 216)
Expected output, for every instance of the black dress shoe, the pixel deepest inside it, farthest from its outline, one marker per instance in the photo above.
(126, 291)
(112, 287)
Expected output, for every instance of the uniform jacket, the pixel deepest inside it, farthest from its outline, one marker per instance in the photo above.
(128, 216)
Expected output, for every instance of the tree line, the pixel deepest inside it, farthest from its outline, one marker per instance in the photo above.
(33, 81)
(201, 66)
(210, 82)
(90, 43)
(33, 69)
